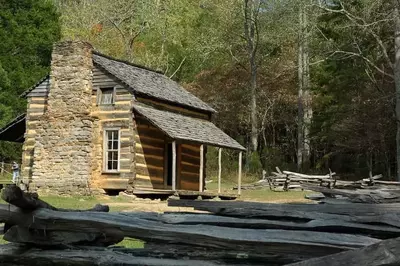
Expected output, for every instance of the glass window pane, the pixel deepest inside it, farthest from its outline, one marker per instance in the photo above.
(115, 146)
(115, 135)
(109, 165)
(115, 165)
(110, 156)
(109, 145)
(115, 156)
(109, 135)
(107, 95)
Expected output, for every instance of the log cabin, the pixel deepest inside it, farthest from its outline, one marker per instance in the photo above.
(99, 123)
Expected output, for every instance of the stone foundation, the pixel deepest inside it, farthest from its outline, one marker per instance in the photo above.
(63, 142)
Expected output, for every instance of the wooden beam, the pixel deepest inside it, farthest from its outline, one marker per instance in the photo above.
(219, 169)
(174, 165)
(201, 168)
(240, 174)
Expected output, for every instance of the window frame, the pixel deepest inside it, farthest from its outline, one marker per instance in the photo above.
(105, 149)
(100, 93)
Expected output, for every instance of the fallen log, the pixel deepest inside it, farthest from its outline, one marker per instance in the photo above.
(359, 196)
(385, 214)
(336, 226)
(379, 254)
(290, 244)
(30, 201)
(351, 209)
(328, 176)
(42, 237)
(207, 254)
(17, 255)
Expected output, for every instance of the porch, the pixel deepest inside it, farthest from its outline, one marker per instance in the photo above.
(182, 194)
(185, 141)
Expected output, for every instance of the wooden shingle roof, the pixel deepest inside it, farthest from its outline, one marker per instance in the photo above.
(187, 128)
(150, 83)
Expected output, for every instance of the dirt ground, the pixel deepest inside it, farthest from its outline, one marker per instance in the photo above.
(147, 206)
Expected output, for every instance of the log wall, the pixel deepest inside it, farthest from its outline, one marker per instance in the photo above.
(142, 154)
(117, 115)
(37, 103)
(189, 166)
(150, 154)
(173, 108)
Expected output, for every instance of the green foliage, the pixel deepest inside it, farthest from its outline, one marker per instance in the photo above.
(254, 163)
(201, 45)
(28, 29)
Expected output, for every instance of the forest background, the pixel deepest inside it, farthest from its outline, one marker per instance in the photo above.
(307, 85)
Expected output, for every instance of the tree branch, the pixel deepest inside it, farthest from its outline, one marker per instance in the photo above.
(180, 65)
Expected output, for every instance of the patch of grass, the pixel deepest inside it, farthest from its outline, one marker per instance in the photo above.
(130, 243)
(273, 196)
(264, 194)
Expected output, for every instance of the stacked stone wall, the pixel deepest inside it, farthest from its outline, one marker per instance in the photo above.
(63, 141)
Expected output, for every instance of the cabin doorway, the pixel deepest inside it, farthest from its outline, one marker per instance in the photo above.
(168, 164)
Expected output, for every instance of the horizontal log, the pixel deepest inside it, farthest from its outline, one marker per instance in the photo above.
(379, 254)
(190, 152)
(321, 225)
(360, 196)
(388, 214)
(375, 177)
(387, 182)
(190, 159)
(150, 160)
(18, 234)
(307, 176)
(302, 244)
(146, 150)
(17, 255)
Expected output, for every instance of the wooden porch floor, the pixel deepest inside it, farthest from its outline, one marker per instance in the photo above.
(183, 194)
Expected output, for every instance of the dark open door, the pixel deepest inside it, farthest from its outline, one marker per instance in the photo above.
(168, 153)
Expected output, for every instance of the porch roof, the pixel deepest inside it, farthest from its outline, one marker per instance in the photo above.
(14, 131)
(181, 127)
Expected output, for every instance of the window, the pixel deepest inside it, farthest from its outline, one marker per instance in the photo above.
(111, 150)
(106, 96)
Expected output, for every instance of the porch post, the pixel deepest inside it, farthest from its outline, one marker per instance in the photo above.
(240, 174)
(201, 168)
(174, 165)
(219, 169)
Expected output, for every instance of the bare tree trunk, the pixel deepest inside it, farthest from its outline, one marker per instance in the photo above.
(305, 112)
(250, 28)
(397, 78)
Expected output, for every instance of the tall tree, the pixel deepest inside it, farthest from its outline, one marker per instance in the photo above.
(374, 18)
(396, 69)
(28, 29)
(251, 10)
(304, 94)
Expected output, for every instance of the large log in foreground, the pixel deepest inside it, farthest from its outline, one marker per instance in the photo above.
(291, 243)
(26, 203)
(234, 233)
(18, 255)
(381, 254)
(30, 201)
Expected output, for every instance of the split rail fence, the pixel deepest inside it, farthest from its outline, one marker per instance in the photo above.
(214, 233)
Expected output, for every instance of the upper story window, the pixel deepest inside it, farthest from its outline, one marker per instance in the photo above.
(106, 96)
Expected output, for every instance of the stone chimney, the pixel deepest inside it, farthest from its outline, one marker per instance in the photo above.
(62, 152)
